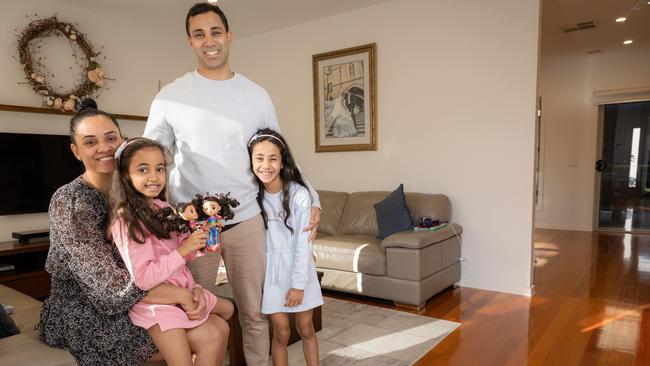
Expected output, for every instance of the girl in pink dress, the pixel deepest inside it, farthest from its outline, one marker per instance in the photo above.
(153, 256)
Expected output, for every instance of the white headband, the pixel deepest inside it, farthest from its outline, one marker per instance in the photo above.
(256, 136)
(126, 143)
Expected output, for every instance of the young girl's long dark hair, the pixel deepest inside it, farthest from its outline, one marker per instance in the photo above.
(125, 202)
(289, 172)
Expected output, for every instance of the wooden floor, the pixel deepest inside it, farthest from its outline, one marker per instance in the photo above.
(591, 307)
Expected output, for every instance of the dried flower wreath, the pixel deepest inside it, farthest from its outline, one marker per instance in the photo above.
(36, 73)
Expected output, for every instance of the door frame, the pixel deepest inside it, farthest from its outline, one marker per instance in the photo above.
(601, 100)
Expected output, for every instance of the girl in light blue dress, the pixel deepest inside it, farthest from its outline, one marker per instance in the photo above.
(291, 284)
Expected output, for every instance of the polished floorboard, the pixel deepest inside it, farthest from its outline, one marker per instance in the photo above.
(591, 307)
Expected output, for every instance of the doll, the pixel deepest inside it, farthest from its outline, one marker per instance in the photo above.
(187, 211)
(213, 223)
(181, 218)
(216, 210)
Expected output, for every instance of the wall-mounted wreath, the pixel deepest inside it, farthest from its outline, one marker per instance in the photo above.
(90, 79)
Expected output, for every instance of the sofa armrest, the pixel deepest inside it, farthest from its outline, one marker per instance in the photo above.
(412, 239)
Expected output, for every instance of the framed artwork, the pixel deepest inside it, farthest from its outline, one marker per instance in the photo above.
(345, 102)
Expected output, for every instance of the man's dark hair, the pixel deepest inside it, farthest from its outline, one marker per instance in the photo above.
(200, 8)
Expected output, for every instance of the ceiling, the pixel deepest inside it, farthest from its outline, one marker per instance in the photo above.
(245, 17)
(608, 36)
(250, 17)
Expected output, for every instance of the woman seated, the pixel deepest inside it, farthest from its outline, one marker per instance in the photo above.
(92, 291)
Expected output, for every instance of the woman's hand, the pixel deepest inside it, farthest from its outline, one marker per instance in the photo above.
(193, 243)
(200, 308)
(188, 304)
(294, 297)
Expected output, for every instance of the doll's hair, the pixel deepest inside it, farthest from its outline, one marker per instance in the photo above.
(127, 203)
(226, 203)
(180, 207)
(172, 218)
(288, 173)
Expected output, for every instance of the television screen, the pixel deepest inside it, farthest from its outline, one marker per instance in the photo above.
(33, 168)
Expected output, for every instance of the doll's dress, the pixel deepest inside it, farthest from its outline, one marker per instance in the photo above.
(214, 236)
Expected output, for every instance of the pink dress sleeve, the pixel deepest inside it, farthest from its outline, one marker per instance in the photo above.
(179, 241)
(148, 266)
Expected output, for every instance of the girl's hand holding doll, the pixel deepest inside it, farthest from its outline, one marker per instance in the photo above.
(194, 242)
(294, 297)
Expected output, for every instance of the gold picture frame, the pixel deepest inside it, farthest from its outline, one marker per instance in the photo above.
(345, 99)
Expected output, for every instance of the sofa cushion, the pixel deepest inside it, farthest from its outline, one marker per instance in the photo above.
(331, 204)
(353, 253)
(27, 310)
(392, 214)
(359, 215)
(26, 348)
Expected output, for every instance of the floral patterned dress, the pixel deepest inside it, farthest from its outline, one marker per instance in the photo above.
(92, 291)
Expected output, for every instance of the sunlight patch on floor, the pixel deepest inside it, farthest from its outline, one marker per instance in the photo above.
(546, 246)
(619, 330)
(621, 335)
(627, 246)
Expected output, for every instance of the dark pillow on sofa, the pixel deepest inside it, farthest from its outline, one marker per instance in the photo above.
(7, 325)
(392, 214)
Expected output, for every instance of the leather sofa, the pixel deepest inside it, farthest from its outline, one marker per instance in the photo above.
(407, 267)
(25, 348)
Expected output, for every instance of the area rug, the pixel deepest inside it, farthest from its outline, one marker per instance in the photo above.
(359, 334)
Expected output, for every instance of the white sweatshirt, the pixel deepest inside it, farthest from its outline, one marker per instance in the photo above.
(206, 124)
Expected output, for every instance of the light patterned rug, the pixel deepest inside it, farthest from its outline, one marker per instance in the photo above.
(359, 334)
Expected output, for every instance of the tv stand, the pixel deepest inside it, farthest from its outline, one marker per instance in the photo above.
(28, 275)
(24, 236)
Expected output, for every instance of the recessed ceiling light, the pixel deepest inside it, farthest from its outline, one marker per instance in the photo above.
(621, 19)
(629, 41)
(212, 1)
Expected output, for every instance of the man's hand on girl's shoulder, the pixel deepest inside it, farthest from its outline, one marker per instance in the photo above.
(314, 220)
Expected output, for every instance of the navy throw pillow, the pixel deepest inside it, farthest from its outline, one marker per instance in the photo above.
(7, 325)
(392, 214)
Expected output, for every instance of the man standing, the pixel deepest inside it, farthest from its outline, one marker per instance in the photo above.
(207, 117)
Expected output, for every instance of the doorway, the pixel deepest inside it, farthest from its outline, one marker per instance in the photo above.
(624, 168)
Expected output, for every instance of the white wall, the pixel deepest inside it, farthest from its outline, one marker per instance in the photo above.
(137, 57)
(570, 129)
(456, 106)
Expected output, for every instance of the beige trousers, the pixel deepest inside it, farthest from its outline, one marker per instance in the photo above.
(244, 253)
